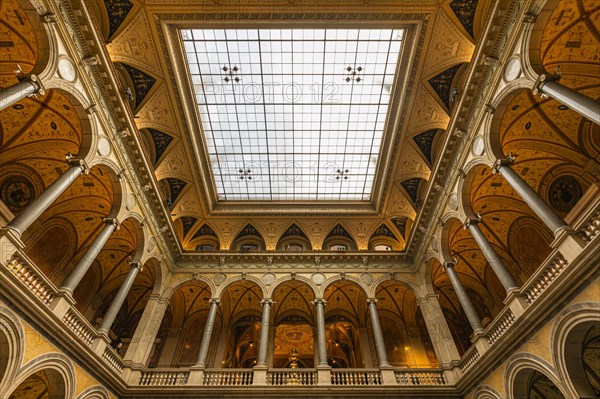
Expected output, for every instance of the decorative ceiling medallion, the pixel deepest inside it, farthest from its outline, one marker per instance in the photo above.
(318, 278)
(219, 278)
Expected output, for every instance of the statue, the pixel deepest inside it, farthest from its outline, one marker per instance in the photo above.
(294, 355)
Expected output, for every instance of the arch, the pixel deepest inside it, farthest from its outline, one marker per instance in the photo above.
(486, 392)
(58, 370)
(293, 237)
(569, 332)
(519, 372)
(34, 48)
(95, 392)
(138, 223)
(180, 280)
(248, 239)
(232, 280)
(332, 280)
(12, 343)
(339, 236)
(284, 279)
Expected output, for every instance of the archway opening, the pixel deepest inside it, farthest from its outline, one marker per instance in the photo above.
(531, 384)
(43, 384)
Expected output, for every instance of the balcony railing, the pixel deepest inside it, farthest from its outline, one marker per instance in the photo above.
(164, 377)
(224, 377)
(419, 377)
(80, 326)
(355, 377)
(292, 377)
(35, 281)
(113, 359)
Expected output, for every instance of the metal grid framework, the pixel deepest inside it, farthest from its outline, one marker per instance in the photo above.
(293, 115)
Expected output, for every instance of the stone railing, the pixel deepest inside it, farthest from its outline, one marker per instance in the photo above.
(469, 359)
(499, 326)
(228, 377)
(113, 359)
(80, 326)
(355, 377)
(23, 269)
(419, 377)
(164, 377)
(543, 277)
(591, 228)
(292, 377)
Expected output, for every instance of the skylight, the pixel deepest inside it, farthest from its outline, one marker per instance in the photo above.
(293, 115)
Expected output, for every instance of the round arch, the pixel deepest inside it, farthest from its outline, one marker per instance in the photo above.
(95, 392)
(520, 370)
(58, 370)
(12, 342)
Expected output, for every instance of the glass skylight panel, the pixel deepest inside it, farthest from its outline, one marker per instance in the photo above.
(293, 115)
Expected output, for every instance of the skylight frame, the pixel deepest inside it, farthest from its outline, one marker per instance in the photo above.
(376, 168)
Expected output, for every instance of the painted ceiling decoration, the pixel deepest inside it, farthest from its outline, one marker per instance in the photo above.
(249, 230)
(294, 230)
(187, 222)
(425, 142)
(117, 12)
(142, 83)
(564, 193)
(400, 223)
(17, 192)
(412, 186)
(175, 188)
(339, 231)
(205, 230)
(465, 12)
(384, 231)
(161, 142)
(442, 83)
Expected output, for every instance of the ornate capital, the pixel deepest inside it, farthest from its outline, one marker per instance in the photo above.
(33, 80)
(136, 264)
(471, 221)
(266, 301)
(500, 162)
(372, 300)
(112, 221)
(538, 86)
(72, 160)
(214, 300)
(449, 265)
(319, 300)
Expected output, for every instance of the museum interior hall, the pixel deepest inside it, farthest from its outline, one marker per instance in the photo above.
(299, 198)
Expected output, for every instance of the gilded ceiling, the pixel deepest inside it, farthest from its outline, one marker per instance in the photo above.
(136, 45)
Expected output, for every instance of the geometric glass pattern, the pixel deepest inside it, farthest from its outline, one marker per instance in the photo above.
(293, 114)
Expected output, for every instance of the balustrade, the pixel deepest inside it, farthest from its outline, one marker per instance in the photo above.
(469, 359)
(113, 360)
(23, 269)
(419, 377)
(228, 377)
(544, 276)
(155, 377)
(499, 326)
(80, 326)
(591, 228)
(292, 377)
(355, 377)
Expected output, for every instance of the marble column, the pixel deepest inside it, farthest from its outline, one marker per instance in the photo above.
(142, 342)
(321, 338)
(547, 85)
(441, 337)
(207, 334)
(463, 298)
(84, 264)
(264, 332)
(27, 86)
(35, 208)
(529, 195)
(507, 280)
(117, 302)
(377, 333)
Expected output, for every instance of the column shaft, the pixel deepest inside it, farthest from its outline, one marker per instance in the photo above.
(36, 207)
(321, 339)
(578, 102)
(142, 342)
(531, 198)
(27, 86)
(507, 280)
(207, 334)
(88, 258)
(264, 333)
(115, 306)
(377, 333)
(463, 298)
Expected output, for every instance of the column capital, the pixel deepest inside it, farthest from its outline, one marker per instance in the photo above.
(426, 298)
(508, 161)
(449, 265)
(112, 221)
(372, 301)
(472, 221)
(34, 80)
(158, 298)
(217, 301)
(72, 160)
(319, 300)
(137, 264)
(266, 301)
(544, 78)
